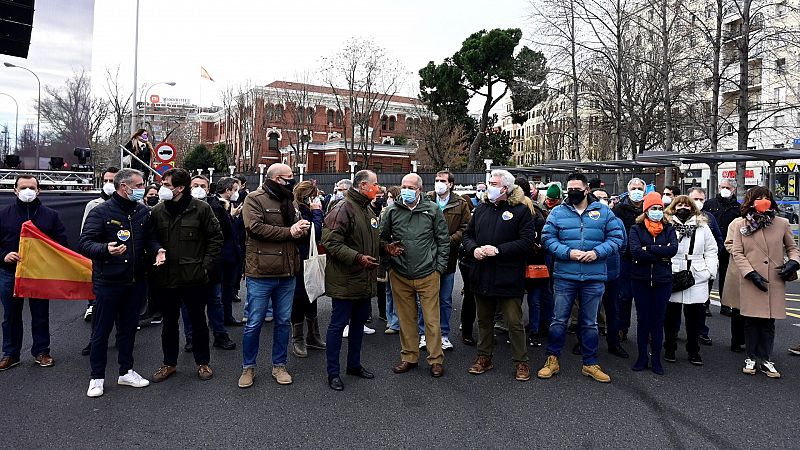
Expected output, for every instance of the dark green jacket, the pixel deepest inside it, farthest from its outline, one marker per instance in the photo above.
(193, 241)
(456, 216)
(351, 228)
(423, 232)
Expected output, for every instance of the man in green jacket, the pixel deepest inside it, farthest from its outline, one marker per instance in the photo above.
(415, 235)
(351, 241)
(192, 238)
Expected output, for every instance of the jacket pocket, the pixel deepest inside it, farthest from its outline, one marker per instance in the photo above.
(115, 269)
(190, 230)
(191, 269)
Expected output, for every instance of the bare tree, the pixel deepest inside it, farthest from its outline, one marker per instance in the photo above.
(298, 120)
(441, 142)
(363, 80)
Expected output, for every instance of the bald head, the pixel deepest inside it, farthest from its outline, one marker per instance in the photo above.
(279, 170)
(412, 180)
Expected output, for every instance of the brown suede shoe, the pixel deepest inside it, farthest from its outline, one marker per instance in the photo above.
(404, 367)
(204, 372)
(437, 370)
(8, 362)
(481, 365)
(523, 372)
(163, 373)
(45, 360)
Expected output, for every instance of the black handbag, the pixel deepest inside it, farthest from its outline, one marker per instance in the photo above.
(684, 279)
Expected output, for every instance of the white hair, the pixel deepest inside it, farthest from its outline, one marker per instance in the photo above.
(635, 181)
(731, 181)
(506, 179)
(344, 183)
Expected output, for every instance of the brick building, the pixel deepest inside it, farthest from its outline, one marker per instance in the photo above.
(271, 123)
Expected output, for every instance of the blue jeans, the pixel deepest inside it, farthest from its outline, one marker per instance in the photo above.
(116, 305)
(391, 313)
(343, 313)
(12, 320)
(216, 315)
(540, 301)
(591, 292)
(259, 293)
(446, 283)
(625, 304)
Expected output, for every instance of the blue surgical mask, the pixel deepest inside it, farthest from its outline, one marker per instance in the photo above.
(637, 195)
(408, 195)
(655, 214)
(136, 195)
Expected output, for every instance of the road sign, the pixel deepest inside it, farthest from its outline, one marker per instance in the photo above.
(161, 168)
(155, 99)
(165, 152)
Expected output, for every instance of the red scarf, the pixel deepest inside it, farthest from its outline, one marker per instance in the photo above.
(655, 228)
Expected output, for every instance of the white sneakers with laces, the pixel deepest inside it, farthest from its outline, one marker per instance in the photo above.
(95, 387)
(422, 343)
(132, 379)
(768, 368)
(749, 367)
(367, 330)
(446, 344)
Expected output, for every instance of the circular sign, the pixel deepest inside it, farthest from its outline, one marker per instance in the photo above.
(162, 168)
(165, 152)
(155, 99)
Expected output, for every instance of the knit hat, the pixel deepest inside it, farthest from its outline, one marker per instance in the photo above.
(554, 192)
(653, 198)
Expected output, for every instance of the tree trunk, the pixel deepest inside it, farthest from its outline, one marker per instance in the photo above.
(743, 44)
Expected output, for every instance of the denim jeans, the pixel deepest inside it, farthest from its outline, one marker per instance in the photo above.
(610, 303)
(12, 320)
(391, 313)
(446, 283)
(346, 312)
(215, 311)
(539, 297)
(259, 293)
(591, 292)
(116, 305)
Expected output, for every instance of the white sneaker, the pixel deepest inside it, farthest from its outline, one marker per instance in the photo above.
(132, 379)
(422, 343)
(87, 316)
(749, 367)
(446, 344)
(95, 387)
(768, 367)
(368, 330)
(346, 331)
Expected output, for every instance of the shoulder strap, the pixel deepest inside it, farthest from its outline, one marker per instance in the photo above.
(691, 248)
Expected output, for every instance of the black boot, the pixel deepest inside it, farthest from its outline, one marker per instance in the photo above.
(313, 338)
(298, 341)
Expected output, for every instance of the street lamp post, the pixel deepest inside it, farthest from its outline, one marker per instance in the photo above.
(301, 168)
(353, 165)
(16, 123)
(210, 174)
(38, 108)
(146, 97)
(488, 163)
(134, 120)
(261, 168)
(414, 166)
(231, 168)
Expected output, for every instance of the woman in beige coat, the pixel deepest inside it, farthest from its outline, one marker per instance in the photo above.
(758, 252)
(730, 295)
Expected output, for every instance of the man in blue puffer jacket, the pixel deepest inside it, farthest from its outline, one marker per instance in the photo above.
(580, 234)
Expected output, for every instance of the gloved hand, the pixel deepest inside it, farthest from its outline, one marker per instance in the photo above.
(785, 271)
(758, 280)
(394, 249)
(366, 262)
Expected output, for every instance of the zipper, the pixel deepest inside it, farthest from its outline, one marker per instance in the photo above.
(133, 250)
(652, 266)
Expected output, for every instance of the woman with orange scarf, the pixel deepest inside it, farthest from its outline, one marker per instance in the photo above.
(653, 243)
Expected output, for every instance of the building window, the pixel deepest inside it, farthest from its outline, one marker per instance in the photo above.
(279, 113)
(397, 167)
(392, 121)
(273, 142)
(329, 117)
(310, 113)
(779, 121)
(780, 65)
(377, 167)
(384, 123)
(780, 95)
(339, 118)
(270, 112)
(409, 125)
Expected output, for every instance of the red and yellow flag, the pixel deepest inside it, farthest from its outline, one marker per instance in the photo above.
(49, 270)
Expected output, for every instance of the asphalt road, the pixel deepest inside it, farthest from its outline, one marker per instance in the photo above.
(714, 406)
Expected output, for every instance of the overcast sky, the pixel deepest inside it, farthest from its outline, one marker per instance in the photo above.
(235, 40)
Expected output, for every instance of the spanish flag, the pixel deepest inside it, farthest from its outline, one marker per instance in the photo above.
(49, 270)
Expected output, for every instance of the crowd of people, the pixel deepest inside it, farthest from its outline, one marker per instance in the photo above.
(576, 255)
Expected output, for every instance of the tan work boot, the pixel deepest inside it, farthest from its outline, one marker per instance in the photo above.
(523, 372)
(481, 365)
(596, 372)
(550, 368)
(281, 375)
(204, 372)
(246, 379)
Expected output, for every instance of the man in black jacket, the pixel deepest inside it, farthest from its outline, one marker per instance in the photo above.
(500, 236)
(119, 238)
(627, 210)
(725, 208)
(26, 207)
(191, 235)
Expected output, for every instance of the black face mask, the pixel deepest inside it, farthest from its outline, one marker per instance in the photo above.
(151, 201)
(575, 197)
(380, 202)
(683, 214)
(290, 182)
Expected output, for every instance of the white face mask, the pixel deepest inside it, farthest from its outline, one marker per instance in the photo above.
(389, 201)
(235, 196)
(198, 193)
(108, 188)
(604, 201)
(440, 187)
(165, 194)
(666, 199)
(493, 193)
(725, 193)
(699, 204)
(27, 195)
(479, 195)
